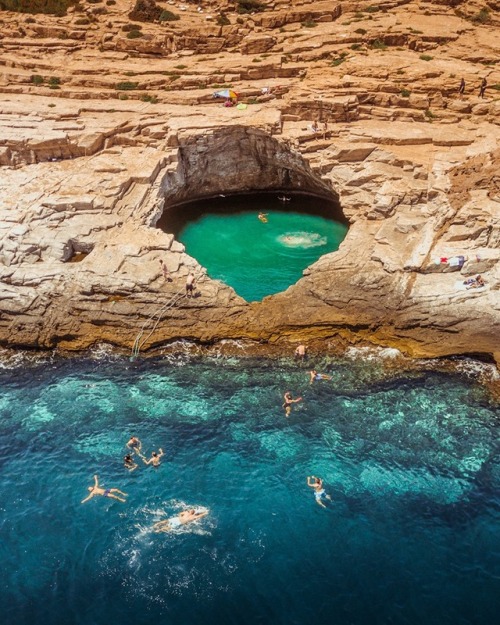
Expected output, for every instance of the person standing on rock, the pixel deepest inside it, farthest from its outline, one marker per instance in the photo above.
(461, 89)
(165, 271)
(482, 88)
(300, 351)
(190, 284)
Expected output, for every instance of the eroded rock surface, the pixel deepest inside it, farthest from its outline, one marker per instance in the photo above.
(100, 133)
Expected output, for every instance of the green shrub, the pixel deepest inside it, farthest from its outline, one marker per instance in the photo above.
(429, 114)
(309, 24)
(168, 16)
(250, 6)
(82, 21)
(54, 81)
(223, 20)
(51, 105)
(51, 7)
(355, 46)
(134, 34)
(180, 66)
(126, 86)
(123, 96)
(37, 79)
(371, 9)
(360, 31)
(337, 61)
(128, 27)
(54, 87)
(405, 93)
(256, 60)
(378, 45)
(149, 98)
(425, 57)
(483, 17)
(400, 71)
(496, 87)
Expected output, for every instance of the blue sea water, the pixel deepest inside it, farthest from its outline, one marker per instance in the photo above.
(256, 258)
(410, 461)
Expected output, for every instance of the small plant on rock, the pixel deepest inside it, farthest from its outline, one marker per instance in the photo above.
(250, 6)
(222, 19)
(168, 16)
(482, 17)
(134, 34)
(405, 93)
(378, 45)
(426, 57)
(309, 24)
(126, 86)
(36, 79)
(360, 31)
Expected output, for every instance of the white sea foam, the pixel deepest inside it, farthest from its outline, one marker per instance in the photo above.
(373, 353)
(304, 240)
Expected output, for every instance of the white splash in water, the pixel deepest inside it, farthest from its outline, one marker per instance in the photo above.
(304, 240)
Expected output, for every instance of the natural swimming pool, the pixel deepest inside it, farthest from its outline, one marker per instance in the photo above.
(257, 258)
(410, 460)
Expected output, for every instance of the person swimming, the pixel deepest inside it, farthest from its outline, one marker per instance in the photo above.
(104, 492)
(314, 376)
(129, 463)
(263, 217)
(155, 458)
(134, 444)
(183, 518)
(316, 483)
(288, 401)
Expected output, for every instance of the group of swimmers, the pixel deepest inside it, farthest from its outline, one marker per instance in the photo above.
(134, 446)
(316, 483)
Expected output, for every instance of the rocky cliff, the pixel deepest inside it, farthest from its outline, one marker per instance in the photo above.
(107, 121)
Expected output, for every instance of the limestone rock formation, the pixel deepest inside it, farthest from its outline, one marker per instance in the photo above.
(102, 130)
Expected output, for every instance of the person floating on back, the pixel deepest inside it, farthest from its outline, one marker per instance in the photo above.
(288, 401)
(104, 492)
(314, 376)
(316, 483)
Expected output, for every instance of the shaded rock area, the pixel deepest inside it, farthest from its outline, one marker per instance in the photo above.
(101, 132)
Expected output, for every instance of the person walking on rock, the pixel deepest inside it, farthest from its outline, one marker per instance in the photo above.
(461, 89)
(190, 284)
(482, 88)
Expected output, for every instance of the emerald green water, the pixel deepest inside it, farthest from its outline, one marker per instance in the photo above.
(257, 259)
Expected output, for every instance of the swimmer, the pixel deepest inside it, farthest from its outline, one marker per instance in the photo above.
(288, 401)
(319, 492)
(263, 217)
(155, 458)
(187, 516)
(129, 464)
(104, 492)
(134, 444)
(300, 351)
(314, 376)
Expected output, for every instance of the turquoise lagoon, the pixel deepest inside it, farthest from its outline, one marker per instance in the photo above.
(256, 258)
(412, 535)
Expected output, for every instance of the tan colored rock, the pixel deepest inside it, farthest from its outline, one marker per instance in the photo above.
(88, 168)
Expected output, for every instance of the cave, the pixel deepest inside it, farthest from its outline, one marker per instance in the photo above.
(212, 199)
